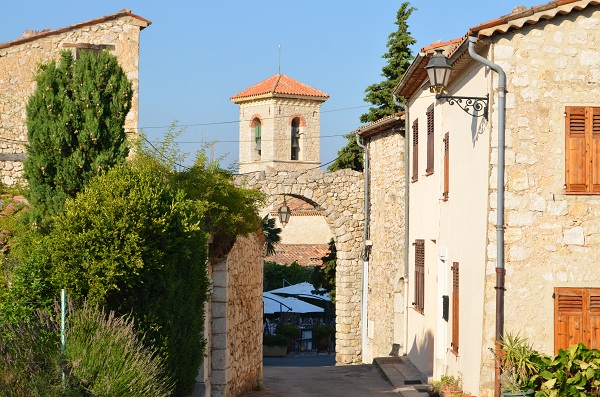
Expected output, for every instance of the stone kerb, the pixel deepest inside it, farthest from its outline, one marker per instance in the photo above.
(340, 198)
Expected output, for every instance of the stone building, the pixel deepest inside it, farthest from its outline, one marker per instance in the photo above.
(551, 208)
(280, 131)
(119, 33)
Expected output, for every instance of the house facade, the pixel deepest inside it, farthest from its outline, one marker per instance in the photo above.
(551, 208)
(118, 33)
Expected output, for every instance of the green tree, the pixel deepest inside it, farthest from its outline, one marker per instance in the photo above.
(75, 126)
(274, 274)
(272, 234)
(323, 277)
(399, 56)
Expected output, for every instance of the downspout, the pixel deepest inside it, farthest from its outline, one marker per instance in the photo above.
(406, 217)
(500, 270)
(365, 252)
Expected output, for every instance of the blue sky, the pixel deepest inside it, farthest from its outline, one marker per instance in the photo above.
(197, 54)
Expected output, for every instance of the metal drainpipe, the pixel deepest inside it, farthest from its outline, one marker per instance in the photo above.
(365, 253)
(406, 218)
(500, 270)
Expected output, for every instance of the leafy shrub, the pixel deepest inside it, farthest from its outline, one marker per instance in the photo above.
(274, 274)
(288, 330)
(324, 330)
(109, 359)
(275, 340)
(520, 363)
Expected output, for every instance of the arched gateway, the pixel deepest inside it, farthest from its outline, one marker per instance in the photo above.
(339, 196)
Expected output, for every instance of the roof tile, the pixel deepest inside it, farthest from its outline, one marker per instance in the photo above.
(282, 85)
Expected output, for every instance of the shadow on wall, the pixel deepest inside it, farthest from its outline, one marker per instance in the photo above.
(421, 352)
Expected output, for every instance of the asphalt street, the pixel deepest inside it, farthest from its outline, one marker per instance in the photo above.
(317, 376)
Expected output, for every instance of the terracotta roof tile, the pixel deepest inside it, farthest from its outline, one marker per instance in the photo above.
(280, 84)
(304, 254)
(47, 32)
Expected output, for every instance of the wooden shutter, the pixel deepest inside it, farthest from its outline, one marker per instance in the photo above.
(446, 165)
(430, 144)
(582, 143)
(455, 307)
(576, 317)
(419, 303)
(415, 162)
(593, 118)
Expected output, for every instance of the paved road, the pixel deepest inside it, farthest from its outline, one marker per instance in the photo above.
(317, 376)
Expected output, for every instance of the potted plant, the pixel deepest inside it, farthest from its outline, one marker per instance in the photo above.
(291, 332)
(520, 365)
(274, 345)
(447, 386)
(322, 337)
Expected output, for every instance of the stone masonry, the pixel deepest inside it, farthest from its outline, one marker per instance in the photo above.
(119, 33)
(552, 239)
(339, 196)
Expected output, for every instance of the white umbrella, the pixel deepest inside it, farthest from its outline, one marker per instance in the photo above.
(274, 304)
(303, 290)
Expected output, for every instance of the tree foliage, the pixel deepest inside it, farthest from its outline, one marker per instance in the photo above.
(399, 56)
(274, 274)
(75, 130)
(272, 234)
(323, 276)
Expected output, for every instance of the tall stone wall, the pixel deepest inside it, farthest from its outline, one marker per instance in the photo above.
(340, 198)
(20, 58)
(552, 239)
(386, 262)
(236, 319)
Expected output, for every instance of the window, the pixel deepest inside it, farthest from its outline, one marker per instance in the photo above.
(257, 129)
(415, 163)
(455, 307)
(295, 138)
(79, 48)
(582, 149)
(446, 166)
(419, 303)
(576, 317)
(430, 148)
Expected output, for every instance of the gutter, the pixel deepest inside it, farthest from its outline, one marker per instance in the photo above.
(500, 270)
(406, 219)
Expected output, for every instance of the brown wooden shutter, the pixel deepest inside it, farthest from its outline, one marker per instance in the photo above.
(594, 322)
(576, 317)
(575, 150)
(419, 302)
(430, 141)
(455, 307)
(446, 165)
(415, 162)
(594, 160)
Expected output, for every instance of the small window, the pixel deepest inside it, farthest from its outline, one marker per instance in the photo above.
(419, 303)
(415, 151)
(430, 141)
(582, 149)
(295, 144)
(79, 48)
(257, 130)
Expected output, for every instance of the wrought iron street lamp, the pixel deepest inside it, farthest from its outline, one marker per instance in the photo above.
(284, 213)
(438, 69)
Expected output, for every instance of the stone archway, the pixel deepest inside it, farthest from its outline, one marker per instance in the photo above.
(339, 196)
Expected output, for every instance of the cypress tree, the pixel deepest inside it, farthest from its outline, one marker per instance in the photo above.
(75, 126)
(381, 94)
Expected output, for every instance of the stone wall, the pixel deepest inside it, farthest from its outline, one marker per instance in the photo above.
(339, 196)
(20, 58)
(552, 239)
(236, 319)
(386, 261)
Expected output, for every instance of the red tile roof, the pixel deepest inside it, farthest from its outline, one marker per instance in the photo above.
(47, 32)
(279, 84)
(383, 124)
(415, 75)
(304, 254)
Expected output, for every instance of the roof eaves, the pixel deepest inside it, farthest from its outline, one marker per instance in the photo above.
(379, 125)
(45, 33)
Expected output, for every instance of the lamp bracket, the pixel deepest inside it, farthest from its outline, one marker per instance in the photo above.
(473, 105)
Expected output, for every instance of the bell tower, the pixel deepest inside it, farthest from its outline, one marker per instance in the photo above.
(279, 125)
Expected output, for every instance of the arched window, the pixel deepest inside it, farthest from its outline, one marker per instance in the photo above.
(256, 129)
(296, 138)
